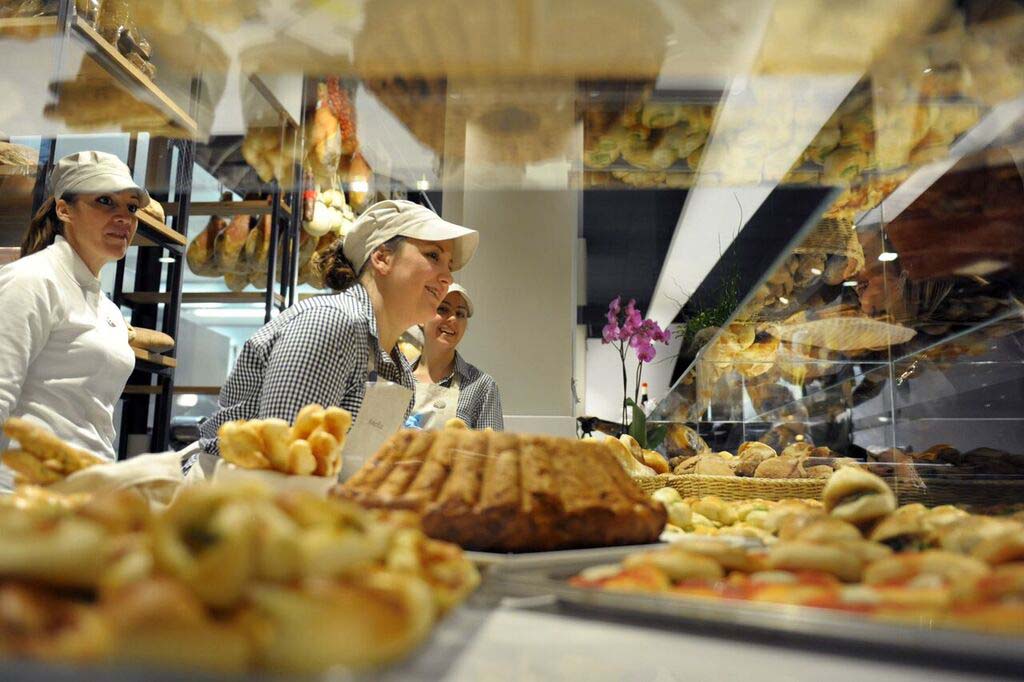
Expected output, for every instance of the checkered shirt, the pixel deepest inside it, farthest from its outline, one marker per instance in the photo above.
(479, 400)
(317, 351)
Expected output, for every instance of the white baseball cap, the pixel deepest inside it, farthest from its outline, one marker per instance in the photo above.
(392, 218)
(465, 296)
(93, 173)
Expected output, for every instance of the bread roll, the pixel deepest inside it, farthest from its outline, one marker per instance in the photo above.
(677, 564)
(751, 454)
(947, 566)
(807, 556)
(780, 467)
(857, 496)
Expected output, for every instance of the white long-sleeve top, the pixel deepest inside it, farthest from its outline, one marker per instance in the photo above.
(64, 353)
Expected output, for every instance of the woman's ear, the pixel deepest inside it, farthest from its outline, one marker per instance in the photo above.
(63, 209)
(382, 260)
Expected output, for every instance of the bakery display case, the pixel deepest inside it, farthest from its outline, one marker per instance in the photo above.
(889, 329)
(842, 265)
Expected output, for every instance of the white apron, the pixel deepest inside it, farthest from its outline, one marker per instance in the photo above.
(380, 416)
(435, 404)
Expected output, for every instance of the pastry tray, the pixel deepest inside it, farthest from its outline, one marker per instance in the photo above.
(792, 625)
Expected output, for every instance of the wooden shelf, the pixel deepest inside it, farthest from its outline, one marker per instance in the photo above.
(230, 297)
(153, 358)
(228, 208)
(138, 389)
(152, 232)
(197, 390)
(109, 59)
(138, 83)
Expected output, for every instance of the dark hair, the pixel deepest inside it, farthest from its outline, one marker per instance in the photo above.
(339, 273)
(45, 226)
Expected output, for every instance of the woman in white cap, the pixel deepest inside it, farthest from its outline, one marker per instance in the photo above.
(393, 271)
(446, 385)
(64, 353)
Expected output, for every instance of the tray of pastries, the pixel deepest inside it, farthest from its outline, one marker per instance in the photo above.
(853, 566)
(505, 492)
(227, 579)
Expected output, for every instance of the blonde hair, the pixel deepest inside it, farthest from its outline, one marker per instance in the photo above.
(44, 228)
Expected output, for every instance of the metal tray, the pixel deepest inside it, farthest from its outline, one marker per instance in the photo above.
(525, 560)
(790, 624)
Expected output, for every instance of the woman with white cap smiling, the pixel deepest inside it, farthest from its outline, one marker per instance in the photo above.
(64, 353)
(446, 385)
(393, 270)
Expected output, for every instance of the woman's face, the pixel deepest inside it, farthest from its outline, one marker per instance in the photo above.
(100, 226)
(448, 325)
(416, 278)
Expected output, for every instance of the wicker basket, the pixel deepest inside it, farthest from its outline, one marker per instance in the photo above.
(735, 487)
(834, 236)
(969, 494)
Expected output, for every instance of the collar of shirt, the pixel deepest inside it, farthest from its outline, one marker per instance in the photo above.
(461, 368)
(72, 263)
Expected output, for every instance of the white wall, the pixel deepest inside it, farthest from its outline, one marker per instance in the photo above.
(604, 376)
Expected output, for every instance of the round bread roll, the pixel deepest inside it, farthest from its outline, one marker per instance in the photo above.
(716, 509)
(666, 496)
(682, 440)
(655, 461)
(712, 465)
(753, 446)
(1001, 549)
(679, 514)
(801, 450)
(827, 529)
(949, 567)
(626, 459)
(867, 551)
(964, 534)
(727, 554)
(819, 471)
(633, 446)
(780, 467)
(903, 530)
(939, 517)
(789, 526)
(857, 496)
(808, 556)
(677, 564)
(779, 514)
(751, 454)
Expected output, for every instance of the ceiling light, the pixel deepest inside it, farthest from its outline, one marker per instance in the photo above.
(886, 256)
(167, 259)
(783, 300)
(422, 185)
(359, 186)
(850, 283)
(815, 271)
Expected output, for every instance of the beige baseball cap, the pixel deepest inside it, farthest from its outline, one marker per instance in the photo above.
(465, 296)
(93, 173)
(394, 217)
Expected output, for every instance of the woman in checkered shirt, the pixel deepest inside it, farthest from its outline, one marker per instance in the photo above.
(447, 385)
(393, 272)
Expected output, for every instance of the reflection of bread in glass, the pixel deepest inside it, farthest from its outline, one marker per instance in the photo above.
(843, 165)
